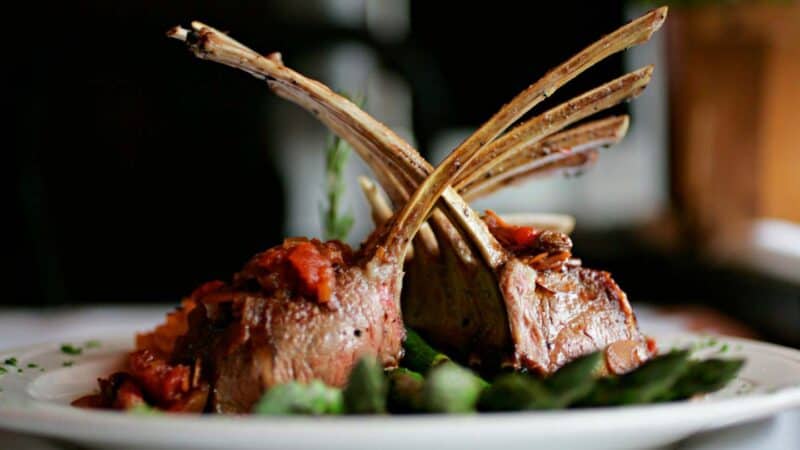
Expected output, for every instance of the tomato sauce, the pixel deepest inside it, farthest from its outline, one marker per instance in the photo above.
(305, 267)
(513, 237)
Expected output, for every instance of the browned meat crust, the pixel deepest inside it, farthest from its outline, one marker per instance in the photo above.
(250, 338)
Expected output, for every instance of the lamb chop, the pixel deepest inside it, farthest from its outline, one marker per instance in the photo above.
(453, 300)
(308, 309)
(305, 310)
(535, 315)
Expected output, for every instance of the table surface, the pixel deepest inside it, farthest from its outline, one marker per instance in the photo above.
(20, 327)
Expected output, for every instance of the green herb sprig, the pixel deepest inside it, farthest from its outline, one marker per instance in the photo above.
(336, 224)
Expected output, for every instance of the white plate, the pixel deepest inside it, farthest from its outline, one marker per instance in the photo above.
(37, 402)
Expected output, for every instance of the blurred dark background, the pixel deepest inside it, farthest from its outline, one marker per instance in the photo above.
(134, 171)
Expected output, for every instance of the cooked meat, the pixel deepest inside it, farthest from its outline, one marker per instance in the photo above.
(458, 307)
(270, 326)
(524, 240)
(548, 311)
(570, 312)
(151, 380)
(308, 310)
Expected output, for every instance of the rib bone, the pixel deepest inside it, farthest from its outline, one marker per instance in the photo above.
(381, 212)
(527, 160)
(369, 137)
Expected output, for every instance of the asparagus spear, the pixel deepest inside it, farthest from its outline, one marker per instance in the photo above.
(295, 398)
(516, 392)
(575, 380)
(366, 389)
(405, 391)
(703, 377)
(451, 388)
(645, 384)
(420, 356)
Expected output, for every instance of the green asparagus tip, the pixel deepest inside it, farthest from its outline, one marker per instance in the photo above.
(314, 398)
(419, 355)
(451, 388)
(366, 389)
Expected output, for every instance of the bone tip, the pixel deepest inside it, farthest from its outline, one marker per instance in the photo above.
(178, 32)
(197, 25)
(659, 15)
(662, 13)
(624, 123)
(646, 72)
(366, 184)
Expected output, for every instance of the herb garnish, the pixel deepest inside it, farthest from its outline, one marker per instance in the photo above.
(143, 409)
(70, 349)
(68, 363)
(94, 343)
(335, 224)
(10, 361)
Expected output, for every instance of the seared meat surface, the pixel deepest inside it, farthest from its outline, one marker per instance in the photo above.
(568, 312)
(265, 329)
(548, 309)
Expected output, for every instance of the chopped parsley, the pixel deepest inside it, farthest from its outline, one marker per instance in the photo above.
(32, 365)
(10, 361)
(19, 370)
(3, 370)
(70, 349)
(94, 343)
(68, 363)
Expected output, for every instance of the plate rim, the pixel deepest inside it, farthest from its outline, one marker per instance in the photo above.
(51, 419)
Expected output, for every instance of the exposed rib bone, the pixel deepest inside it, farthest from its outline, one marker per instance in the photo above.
(559, 151)
(529, 133)
(381, 212)
(564, 150)
(572, 149)
(623, 88)
(371, 137)
(380, 209)
(567, 163)
(594, 134)
(635, 32)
